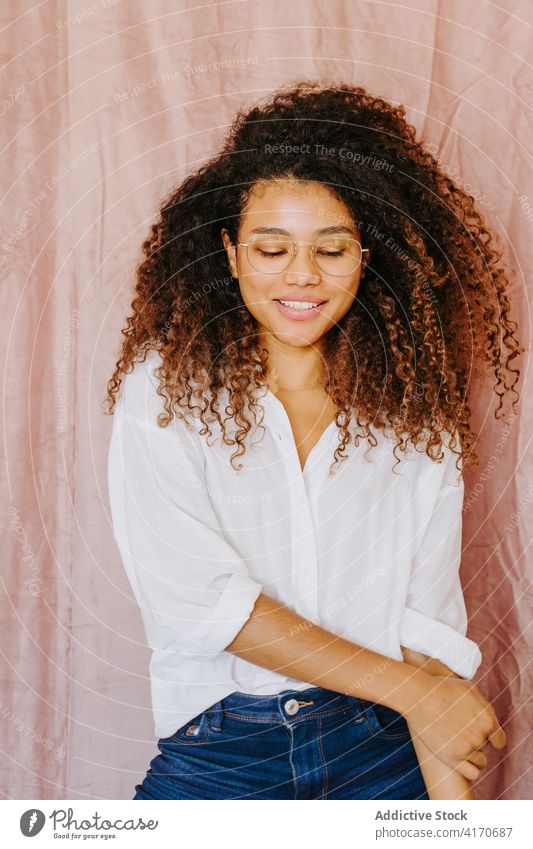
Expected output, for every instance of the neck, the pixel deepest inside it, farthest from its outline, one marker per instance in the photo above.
(293, 369)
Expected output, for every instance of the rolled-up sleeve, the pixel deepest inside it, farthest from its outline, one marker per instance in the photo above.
(194, 591)
(434, 621)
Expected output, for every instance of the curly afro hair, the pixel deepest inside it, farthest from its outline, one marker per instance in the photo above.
(433, 308)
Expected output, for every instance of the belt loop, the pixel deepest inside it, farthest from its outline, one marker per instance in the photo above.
(216, 713)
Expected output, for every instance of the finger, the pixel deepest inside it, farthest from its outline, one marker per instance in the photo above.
(478, 759)
(498, 738)
(468, 770)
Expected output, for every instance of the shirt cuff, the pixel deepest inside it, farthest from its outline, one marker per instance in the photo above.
(225, 620)
(429, 636)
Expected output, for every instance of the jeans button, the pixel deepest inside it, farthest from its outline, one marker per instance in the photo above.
(292, 707)
(192, 729)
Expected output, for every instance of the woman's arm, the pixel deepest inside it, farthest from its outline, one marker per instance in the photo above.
(450, 714)
(441, 781)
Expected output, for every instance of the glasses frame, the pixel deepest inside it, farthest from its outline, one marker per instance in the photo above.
(312, 253)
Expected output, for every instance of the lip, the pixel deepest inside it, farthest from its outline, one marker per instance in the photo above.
(299, 315)
(302, 300)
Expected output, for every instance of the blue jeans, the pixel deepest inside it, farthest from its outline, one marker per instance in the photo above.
(300, 744)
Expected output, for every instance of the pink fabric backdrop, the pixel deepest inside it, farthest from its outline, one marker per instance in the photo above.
(106, 105)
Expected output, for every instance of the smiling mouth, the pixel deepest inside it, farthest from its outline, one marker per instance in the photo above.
(300, 305)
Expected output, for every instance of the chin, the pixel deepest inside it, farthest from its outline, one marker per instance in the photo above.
(295, 340)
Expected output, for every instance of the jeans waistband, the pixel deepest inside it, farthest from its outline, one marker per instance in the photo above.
(284, 706)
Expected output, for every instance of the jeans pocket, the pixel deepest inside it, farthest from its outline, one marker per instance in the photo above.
(358, 710)
(194, 732)
(386, 722)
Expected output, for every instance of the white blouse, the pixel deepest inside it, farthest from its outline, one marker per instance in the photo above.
(371, 555)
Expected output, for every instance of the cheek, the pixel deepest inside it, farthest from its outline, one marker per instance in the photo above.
(343, 299)
(254, 290)
(256, 299)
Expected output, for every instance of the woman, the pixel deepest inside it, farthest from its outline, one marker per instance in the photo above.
(317, 284)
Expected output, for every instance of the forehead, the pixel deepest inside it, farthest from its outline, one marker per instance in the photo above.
(296, 205)
(299, 190)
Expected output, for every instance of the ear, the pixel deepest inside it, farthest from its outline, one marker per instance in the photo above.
(231, 252)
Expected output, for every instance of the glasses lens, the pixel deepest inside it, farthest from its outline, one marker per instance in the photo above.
(270, 253)
(338, 255)
(335, 255)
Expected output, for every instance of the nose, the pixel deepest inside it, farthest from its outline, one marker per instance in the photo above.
(303, 269)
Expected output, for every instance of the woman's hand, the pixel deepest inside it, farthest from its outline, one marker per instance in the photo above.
(455, 721)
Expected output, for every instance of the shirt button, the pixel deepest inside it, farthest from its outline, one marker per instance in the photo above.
(292, 707)
(192, 729)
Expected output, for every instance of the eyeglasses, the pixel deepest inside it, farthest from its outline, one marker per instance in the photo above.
(335, 255)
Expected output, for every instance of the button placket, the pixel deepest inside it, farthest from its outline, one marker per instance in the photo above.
(304, 550)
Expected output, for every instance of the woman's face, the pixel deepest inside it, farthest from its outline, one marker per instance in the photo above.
(304, 211)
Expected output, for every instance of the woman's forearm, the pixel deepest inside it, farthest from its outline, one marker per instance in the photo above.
(441, 781)
(451, 716)
(276, 637)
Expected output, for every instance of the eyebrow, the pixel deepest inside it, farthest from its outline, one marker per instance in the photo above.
(326, 231)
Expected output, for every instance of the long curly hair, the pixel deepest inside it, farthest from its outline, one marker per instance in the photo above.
(432, 309)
